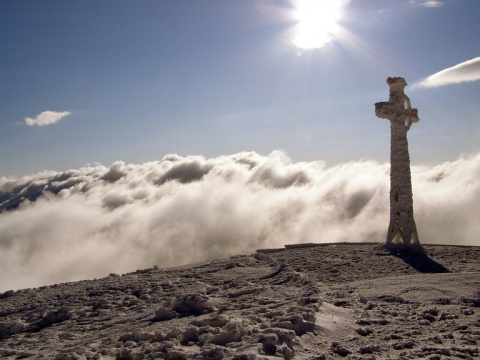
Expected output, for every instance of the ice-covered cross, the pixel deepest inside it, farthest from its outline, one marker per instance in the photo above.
(402, 229)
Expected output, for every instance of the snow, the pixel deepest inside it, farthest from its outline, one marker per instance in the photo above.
(354, 301)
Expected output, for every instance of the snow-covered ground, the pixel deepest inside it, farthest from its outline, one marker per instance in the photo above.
(355, 301)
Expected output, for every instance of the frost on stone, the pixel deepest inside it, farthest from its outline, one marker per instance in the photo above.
(233, 331)
(216, 321)
(277, 342)
(185, 305)
(193, 304)
(164, 314)
(300, 324)
(55, 317)
(402, 230)
(36, 322)
(8, 329)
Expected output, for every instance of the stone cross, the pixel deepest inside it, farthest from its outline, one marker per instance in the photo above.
(402, 230)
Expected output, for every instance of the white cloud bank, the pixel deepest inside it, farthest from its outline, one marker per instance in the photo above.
(463, 72)
(86, 223)
(46, 118)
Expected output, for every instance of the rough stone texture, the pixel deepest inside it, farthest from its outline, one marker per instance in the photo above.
(402, 229)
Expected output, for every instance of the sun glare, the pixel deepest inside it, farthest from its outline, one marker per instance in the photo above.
(317, 21)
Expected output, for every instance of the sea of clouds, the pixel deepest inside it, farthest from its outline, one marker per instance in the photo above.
(87, 223)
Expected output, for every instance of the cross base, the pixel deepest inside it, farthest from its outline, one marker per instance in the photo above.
(396, 237)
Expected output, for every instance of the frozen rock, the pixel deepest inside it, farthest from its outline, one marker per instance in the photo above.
(341, 350)
(231, 332)
(192, 304)
(211, 352)
(189, 335)
(213, 321)
(15, 327)
(164, 314)
(296, 323)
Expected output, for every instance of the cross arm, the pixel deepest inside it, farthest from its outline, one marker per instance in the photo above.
(384, 110)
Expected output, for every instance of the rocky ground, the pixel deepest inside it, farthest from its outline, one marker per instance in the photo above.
(354, 301)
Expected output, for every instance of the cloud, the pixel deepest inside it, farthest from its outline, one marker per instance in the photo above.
(46, 118)
(89, 222)
(428, 3)
(463, 72)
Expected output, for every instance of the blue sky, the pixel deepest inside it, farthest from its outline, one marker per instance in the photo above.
(133, 80)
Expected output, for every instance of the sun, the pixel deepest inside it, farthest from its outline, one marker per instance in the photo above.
(317, 22)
